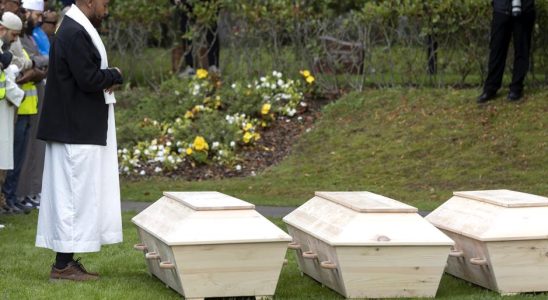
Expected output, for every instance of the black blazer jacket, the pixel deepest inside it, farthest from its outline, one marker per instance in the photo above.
(505, 6)
(74, 109)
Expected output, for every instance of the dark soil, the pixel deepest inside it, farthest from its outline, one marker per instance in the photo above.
(275, 144)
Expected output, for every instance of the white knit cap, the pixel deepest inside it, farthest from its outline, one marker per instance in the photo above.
(11, 21)
(33, 5)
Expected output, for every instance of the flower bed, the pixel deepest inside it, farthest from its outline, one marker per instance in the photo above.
(217, 123)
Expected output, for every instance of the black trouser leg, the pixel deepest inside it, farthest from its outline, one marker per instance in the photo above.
(501, 31)
(187, 42)
(63, 259)
(522, 34)
(213, 44)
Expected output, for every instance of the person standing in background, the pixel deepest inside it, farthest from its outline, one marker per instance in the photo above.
(512, 19)
(10, 97)
(29, 184)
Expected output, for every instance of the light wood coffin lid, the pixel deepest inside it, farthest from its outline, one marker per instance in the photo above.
(494, 215)
(205, 218)
(328, 217)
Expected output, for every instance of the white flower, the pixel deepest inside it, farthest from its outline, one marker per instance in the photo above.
(181, 150)
(147, 152)
(153, 147)
(303, 104)
(238, 168)
(253, 173)
(233, 86)
(215, 145)
(154, 142)
(142, 173)
(137, 152)
(233, 144)
(300, 118)
(177, 93)
(158, 170)
(178, 120)
(308, 130)
(168, 144)
(170, 131)
(291, 112)
(280, 82)
(262, 79)
(221, 152)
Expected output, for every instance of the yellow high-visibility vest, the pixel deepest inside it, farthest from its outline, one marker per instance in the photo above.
(2, 85)
(29, 106)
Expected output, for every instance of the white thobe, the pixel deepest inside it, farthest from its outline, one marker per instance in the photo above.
(80, 205)
(8, 106)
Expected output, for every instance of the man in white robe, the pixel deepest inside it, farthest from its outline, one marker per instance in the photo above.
(80, 206)
(11, 96)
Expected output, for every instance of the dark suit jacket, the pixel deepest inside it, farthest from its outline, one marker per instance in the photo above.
(505, 6)
(74, 109)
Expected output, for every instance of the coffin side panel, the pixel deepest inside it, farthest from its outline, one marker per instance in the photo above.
(311, 267)
(520, 266)
(168, 276)
(382, 272)
(462, 268)
(230, 270)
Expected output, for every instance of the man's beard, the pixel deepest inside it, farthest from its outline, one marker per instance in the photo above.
(96, 21)
(30, 26)
(6, 44)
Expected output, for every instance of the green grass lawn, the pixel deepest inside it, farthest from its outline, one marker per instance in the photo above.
(414, 145)
(24, 272)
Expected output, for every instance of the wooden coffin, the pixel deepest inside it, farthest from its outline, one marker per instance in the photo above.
(364, 245)
(501, 239)
(207, 244)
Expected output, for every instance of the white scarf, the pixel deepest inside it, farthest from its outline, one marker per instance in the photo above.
(77, 15)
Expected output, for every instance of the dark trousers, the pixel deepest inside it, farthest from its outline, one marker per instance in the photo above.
(9, 188)
(503, 28)
(212, 38)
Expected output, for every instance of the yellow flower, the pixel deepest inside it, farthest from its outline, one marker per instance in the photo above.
(248, 127)
(264, 124)
(188, 151)
(257, 136)
(200, 144)
(266, 108)
(305, 73)
(247, 137)
(189, 115)
(202, 73)
(310, 79)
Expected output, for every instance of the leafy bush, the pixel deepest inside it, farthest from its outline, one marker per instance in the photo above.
(197, 120)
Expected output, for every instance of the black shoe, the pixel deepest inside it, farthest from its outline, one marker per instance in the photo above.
(12, 210)
(6, 210)
(514, 96)
(23, 208)
(485, 97)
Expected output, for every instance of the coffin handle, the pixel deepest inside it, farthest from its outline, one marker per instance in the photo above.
(294, 246)
(140, 247)
(478, 261)
(310, 255)
(328, 265)
(152, 255)
(456, 253)
(167, 265)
